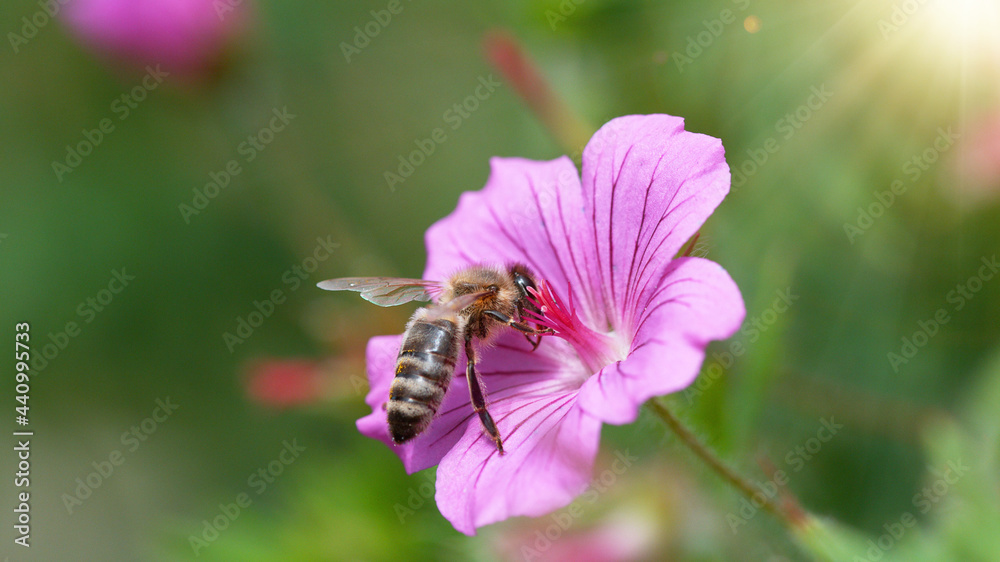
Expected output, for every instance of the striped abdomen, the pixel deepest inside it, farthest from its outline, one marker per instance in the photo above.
(423, 370)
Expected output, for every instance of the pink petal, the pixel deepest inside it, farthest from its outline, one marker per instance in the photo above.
(695, 302)
(551, 445)
(427, 449)
(649, 185)
(530, 212)
(507, 369)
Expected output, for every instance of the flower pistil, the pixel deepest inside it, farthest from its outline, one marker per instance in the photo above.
(596, 349)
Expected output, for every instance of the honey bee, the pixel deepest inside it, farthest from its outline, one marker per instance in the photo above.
(474, 303)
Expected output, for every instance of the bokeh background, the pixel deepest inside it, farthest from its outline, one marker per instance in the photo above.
(824, 108)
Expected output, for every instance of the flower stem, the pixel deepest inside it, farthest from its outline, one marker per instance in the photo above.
(787, 511)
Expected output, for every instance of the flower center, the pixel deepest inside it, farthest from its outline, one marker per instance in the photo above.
(597, 350)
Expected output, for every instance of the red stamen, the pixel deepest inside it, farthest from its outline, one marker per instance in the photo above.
(596, 349)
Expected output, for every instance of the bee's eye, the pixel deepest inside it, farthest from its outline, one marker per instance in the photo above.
(493, 288)
(524, 283)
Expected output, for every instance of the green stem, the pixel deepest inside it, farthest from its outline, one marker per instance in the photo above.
(788, 511)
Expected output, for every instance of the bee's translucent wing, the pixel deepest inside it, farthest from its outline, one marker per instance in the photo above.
(385, 291)
(455, 305)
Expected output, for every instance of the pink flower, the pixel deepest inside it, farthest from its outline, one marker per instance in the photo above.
(186, 37)
(978, 162)
(621, 537)
(633, 322)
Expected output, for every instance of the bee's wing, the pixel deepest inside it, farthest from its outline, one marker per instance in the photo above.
(455, 305)
(385, 291)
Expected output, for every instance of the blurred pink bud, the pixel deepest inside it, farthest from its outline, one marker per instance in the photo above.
(187, 37)
(619, 536)
(284, 384)
(516, 66)
(978, 162)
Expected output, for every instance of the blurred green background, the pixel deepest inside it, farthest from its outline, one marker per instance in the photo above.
(821, 107)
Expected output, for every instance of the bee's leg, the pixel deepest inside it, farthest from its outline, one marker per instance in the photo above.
(534, 342)
(521, 326)
(476, 393)
(520, 316)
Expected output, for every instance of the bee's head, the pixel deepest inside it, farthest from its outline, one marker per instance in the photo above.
(523, 279)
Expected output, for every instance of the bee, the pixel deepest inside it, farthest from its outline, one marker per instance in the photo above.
(473, 304)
